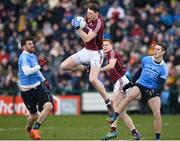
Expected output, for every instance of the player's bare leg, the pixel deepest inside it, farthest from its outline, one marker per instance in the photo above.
(117, 97)
(69, 64)
(93, 78)
(129, 123)
(124, 116)
(134, 92)
(47, 107)
(30, 121)
(155, 105)
(113, 133)
(34, 133)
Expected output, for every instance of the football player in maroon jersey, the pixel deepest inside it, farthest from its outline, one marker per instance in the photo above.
(117, 71)
(92, 53)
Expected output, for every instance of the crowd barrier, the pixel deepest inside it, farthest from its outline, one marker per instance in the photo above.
(63, 105)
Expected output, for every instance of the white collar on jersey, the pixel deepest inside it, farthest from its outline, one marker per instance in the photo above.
(28, 53)
(156, 63)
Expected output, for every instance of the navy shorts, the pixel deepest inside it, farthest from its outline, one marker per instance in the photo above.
(35, 98)
(145, 96)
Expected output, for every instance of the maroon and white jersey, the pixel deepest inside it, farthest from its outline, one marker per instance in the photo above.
(119, 70)
(96, 26)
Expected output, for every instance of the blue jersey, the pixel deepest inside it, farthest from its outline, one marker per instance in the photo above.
(32, 80)
(152, 72)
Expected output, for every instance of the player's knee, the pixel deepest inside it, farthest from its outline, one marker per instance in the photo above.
(63, 66)
(130, 97)
(115, 105)
(156, 112)
(123, 115)
(93, 80)
(48, 106)
(32, 117)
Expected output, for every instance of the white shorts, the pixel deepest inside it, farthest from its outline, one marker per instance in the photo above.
(120, 83)
(92, 57)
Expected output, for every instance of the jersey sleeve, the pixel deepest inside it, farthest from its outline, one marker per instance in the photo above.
(164, 75)
(98, 26)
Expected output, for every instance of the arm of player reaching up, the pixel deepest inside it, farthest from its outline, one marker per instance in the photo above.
(109, 66)
(86, 37)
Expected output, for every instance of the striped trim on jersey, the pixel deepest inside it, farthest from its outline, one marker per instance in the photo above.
(98, 25)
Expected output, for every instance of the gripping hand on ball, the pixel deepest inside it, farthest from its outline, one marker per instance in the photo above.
(76, 23)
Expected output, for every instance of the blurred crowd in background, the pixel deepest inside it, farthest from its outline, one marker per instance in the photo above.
(133, 25)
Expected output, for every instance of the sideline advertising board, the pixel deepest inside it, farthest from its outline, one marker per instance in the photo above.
(63, 105)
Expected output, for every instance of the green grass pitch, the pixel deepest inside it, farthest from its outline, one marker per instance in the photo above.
(87, 127)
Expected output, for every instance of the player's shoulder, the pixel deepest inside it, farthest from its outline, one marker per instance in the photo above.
(146, 58)
(100, 20)
(22, 55)
(100, 17)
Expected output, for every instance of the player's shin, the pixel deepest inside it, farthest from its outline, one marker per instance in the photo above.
(30, 121)
(113, 118)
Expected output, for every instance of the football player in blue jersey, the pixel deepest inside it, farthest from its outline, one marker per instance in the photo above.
(32, 91)
(148, 82)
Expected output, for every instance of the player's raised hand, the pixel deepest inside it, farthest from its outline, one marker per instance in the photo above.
(76, 23)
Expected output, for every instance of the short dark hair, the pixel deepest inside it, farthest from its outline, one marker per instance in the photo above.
(162, 45)
(23, 42)
(94, 6)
